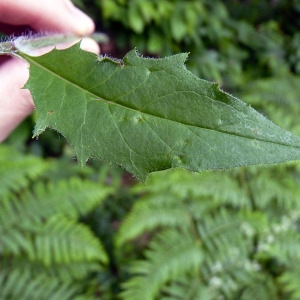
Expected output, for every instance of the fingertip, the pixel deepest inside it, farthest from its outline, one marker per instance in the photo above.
(68, 18)
(90, 45)
(83, 23)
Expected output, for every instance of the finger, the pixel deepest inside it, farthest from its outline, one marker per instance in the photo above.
(90, 45)
(16, 103)
(46, 15)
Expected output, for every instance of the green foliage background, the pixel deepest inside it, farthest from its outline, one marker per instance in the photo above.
(96, 233)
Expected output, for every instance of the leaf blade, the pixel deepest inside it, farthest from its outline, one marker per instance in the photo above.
(150, 114)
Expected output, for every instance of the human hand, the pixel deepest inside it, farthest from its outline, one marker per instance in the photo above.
(46, 16)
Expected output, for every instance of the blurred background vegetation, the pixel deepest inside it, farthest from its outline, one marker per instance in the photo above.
(68, 232)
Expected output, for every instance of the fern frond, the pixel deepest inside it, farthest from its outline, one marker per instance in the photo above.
(262, 288)
(178, 199)
(290, 282)
(275, 192)
(215, 185)
(61, 240)
(227, 245)
(186, 287)
(65, 272)
(17, 171)
(220, 232)
(60, 248)
(223, 229)
(283, 91)
(58, 241)
(22, 284)
(150, 213)
(171, 254)
(282, 241)
(281, 99)
(20, 217)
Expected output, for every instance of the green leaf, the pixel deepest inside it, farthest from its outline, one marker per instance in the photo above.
(148, 114)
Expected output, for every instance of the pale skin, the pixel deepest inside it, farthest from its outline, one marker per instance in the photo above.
(57, 16)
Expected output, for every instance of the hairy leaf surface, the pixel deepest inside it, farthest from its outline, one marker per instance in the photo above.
(148, 114)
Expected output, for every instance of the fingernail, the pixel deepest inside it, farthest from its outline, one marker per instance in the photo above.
(89, 45)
